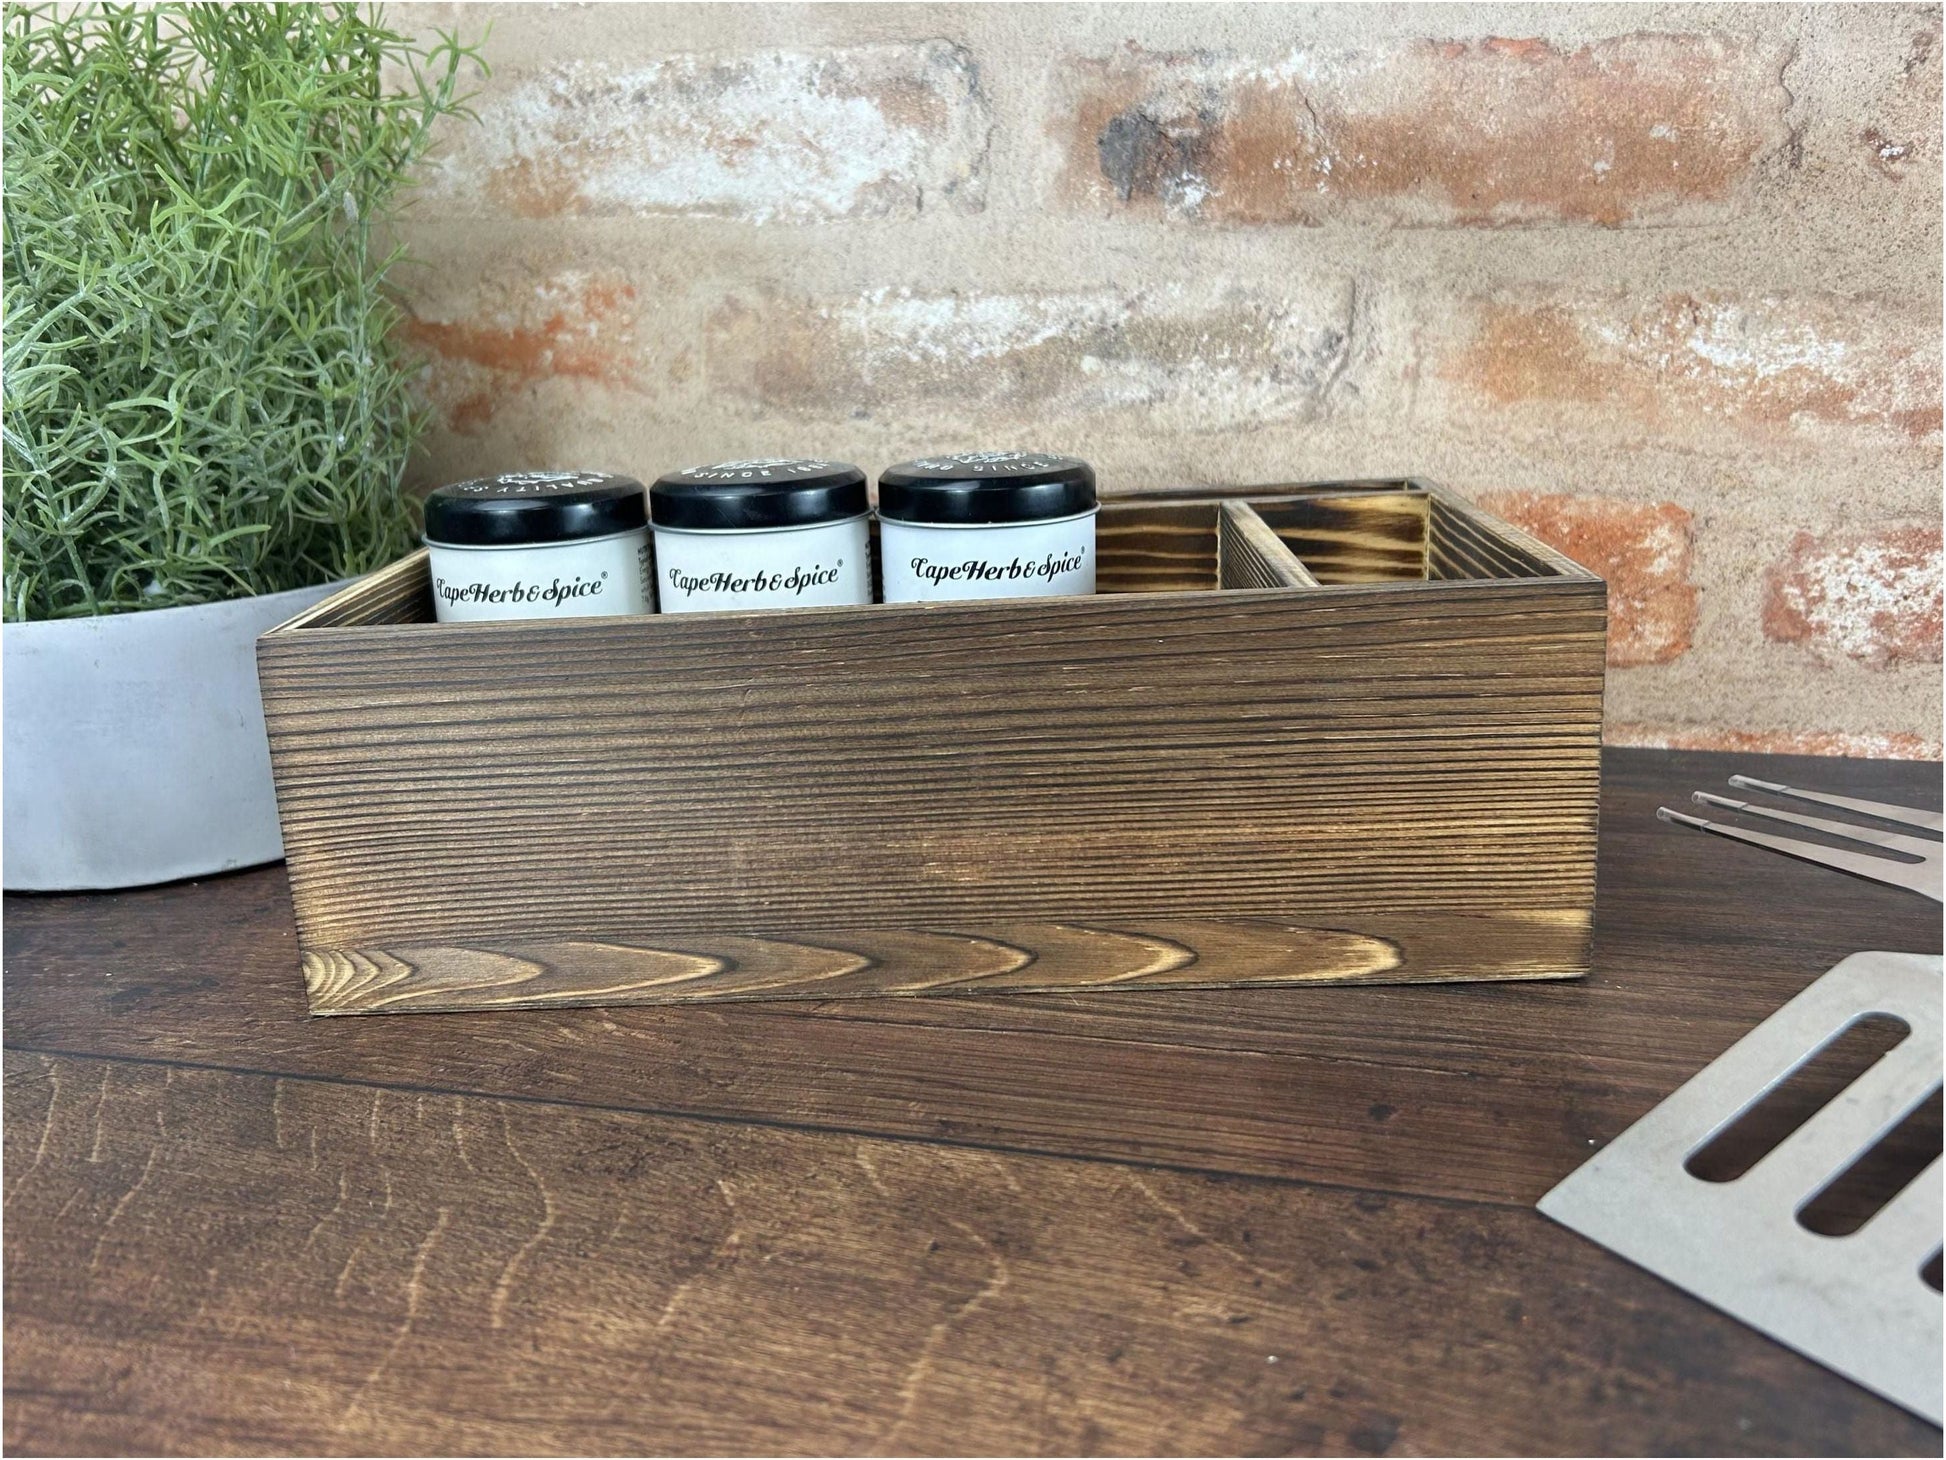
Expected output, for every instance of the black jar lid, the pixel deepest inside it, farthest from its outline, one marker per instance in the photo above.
(527, 507)
(735, 496)
(972, 487)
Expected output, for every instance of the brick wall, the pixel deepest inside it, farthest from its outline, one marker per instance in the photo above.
(1660, 283)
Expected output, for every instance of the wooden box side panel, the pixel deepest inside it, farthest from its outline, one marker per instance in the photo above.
(1354, 537)
(1393, 782)
(400, 593)
(1466, 542)
(1155, 547)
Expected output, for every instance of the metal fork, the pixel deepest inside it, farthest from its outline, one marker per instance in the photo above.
(1922, 876)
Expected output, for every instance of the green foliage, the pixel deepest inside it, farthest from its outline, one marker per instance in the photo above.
(202, 396)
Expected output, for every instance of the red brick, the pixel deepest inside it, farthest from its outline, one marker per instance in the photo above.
(1643, 127)
(869, 131)
(1871, 596)
(1866, 744)
(1701, 361)
(1187, 361)
(1641, 548)
(510, 338)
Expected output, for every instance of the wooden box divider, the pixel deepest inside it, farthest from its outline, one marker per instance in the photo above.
(1250, 555)
(1311, 733)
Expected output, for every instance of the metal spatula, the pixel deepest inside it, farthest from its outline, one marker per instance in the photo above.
(1859, 1303)
(1921, 876)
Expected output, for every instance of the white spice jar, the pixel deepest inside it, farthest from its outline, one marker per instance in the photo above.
(539, 544)
(771, 533)
(987, 524)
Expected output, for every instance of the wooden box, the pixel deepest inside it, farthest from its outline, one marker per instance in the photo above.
(1340, 733)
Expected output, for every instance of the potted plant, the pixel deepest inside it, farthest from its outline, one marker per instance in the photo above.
(207, 420)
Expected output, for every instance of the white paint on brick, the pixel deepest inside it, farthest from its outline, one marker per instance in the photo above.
(1831, 353)
(1849, 595)
(1761, 345)
(1228, 360)
(899, 328)
(791, 136)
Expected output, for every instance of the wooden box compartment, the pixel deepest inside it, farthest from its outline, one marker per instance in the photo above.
(1329, 733)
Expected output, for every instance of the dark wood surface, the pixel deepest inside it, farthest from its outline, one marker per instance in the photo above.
(1234, 1222)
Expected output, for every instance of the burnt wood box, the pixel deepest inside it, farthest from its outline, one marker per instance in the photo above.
(1336, 733)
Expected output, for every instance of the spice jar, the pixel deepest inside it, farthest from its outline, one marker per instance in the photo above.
(761, 534)
(987, 524)
(538, 544)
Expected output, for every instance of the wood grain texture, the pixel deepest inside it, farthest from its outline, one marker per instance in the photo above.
(400, 593)
(905, 962)
(1464, 543)
(1155, 547)
(1514, 545)
(1246, 756)
(1465, 1092)
(470, 1234)
(206, 1262)
(1360, 532)
(1250, 555)
(1347, 762)
(1216, 1080)
(1359, 537)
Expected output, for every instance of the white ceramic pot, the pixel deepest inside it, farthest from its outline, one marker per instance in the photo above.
(134, 745)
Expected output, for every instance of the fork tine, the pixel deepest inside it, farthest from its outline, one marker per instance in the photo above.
(1871, 836)
(1883, 810)
(1859, 864)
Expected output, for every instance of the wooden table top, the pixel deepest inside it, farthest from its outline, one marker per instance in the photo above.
(1240, 1223)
